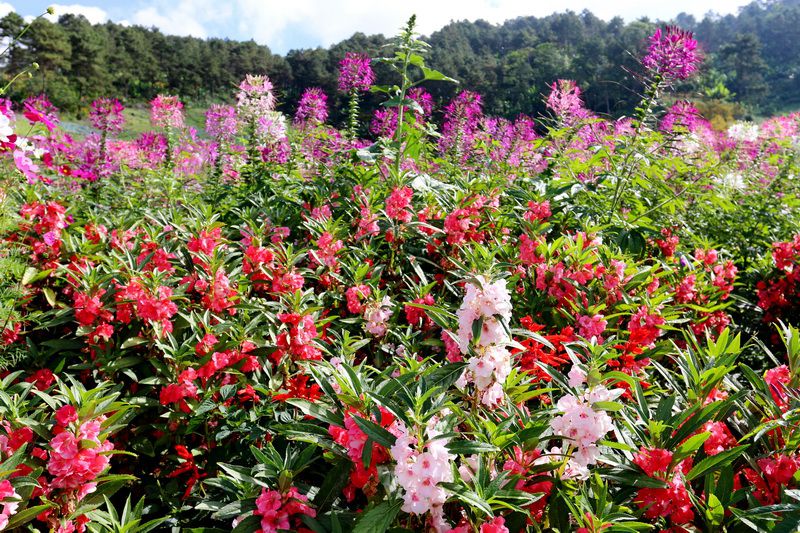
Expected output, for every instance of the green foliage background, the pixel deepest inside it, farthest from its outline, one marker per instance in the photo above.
(752, 58)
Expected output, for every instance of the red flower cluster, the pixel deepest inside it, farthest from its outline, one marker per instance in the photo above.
(463, 224)
(536, 354)
(354, 439)
(189, 466)
(521, 465)
(44, 223)
(298, 387)
(776, 472)
(298, 342)
(672, 501)
(779, 294)
(417, 316)
(154, 307)
(355, 296)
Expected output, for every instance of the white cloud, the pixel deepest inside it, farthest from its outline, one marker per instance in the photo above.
(187, 17)
(278, 23)
(5, 9)
(93, 14)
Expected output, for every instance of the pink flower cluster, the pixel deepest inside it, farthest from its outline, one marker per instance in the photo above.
(325, 254)
(281, 511)
(490, 302)
(106, 115)
(77, 457)
(583, 425)
(461, 120)
(775, 473)
(166, 112)
(592, 327)
(255, 97)
(39, 109)
(221, 123)
(398, 204)
(565, 101)
(538, 211)
(26, 166)
(491, 364)
(419, 470)
(298, 341)
(377, 315)
(354, 440)
(778, 379)
(7, 496)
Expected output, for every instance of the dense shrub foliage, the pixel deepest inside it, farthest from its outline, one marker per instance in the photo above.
(555, 324)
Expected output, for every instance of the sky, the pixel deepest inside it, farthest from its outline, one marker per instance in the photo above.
(290, 24)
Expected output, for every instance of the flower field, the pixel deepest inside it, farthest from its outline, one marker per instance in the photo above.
(428, 319)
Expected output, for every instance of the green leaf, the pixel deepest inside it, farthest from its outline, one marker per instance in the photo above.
(23, 517)
(709, 464)
(379, 518)
(715, 513)
(28, 276)
(691, 445)
(375, 432)
(248, 525)
(50, 296)
(131, 342)
(332, 486)
(434, 75)
(469, 447)
(469, 497)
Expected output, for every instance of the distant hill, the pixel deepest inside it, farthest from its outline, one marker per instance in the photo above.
(753, 59)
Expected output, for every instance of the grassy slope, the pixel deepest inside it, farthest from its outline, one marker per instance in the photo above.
(137, 121)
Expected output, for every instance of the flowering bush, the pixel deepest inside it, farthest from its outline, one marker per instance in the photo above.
(482, 326)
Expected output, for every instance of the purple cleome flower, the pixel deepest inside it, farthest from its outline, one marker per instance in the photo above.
(106, 115)
(673, 54)
(221, 123)
(355, 73)
(313, 107)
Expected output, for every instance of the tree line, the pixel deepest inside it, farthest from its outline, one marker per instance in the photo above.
(752, 61)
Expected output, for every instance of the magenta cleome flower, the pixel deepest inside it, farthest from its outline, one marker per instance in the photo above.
(39, 109)
(565, 101)
(106, 115)
(313, 107)
(355, 73)
(384, 122)
(673, 54)
(221, 123)
(461, 119)
(681, 114)
(166, 111)
(423, 98)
